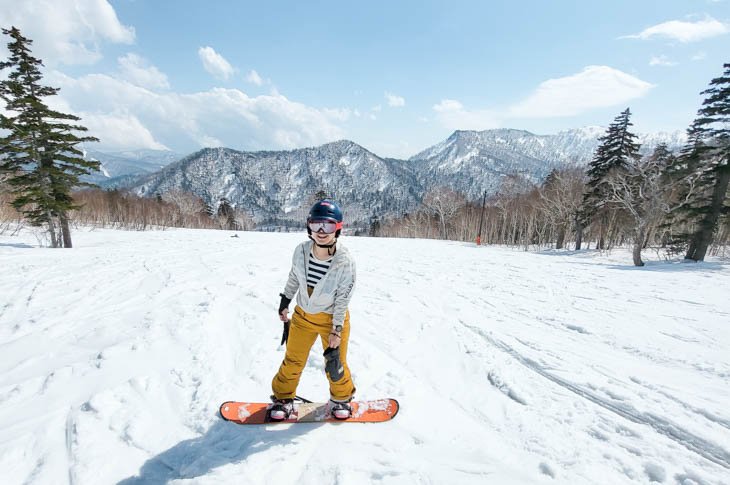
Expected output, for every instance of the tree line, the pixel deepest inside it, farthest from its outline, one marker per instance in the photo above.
(676, 201)
(119, 209)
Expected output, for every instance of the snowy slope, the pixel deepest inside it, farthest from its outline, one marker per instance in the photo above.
(118, 165)
(510, 367)
(280, 184)
(471, 162)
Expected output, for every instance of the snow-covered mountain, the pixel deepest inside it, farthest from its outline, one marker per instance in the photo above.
(471, 162)
(279, 185)
(119, 167)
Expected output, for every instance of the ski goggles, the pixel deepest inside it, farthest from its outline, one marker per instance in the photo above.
(327, 227)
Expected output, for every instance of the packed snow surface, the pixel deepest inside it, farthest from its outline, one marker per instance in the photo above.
(510, 366)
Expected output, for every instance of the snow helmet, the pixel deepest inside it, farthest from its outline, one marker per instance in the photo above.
(326, 210)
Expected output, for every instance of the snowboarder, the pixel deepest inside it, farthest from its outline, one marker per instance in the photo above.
(322, 276)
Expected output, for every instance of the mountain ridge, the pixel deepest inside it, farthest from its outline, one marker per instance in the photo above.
(276, 186)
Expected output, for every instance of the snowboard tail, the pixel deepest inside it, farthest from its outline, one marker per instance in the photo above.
(372, 411)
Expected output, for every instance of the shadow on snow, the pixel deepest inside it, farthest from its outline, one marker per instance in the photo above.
(16, 245)
(222, 444)
(673, 266)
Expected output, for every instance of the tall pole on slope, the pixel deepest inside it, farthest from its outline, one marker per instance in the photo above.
(481, 219)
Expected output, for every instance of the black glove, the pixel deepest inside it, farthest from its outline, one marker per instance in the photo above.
(283, 305)
(332, 365)
(285, 333)
(284, 302)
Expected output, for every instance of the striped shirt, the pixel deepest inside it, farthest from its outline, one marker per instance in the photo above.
(316, 269)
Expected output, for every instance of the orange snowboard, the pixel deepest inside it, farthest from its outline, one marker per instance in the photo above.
(374, 411)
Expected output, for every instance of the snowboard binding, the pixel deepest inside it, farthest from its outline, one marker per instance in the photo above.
(281, 409)
(340, 409)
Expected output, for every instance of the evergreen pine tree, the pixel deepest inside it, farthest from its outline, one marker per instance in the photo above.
(705, 164)
(374, 226)
(207, 210)
(226, 214)
(681, 171)
(551, 180)
(39, 150)
(618, 147)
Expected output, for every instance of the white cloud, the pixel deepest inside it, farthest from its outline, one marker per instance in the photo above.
(120, 131)
(218, 117)
(377, 108)
(137, 70)
(395, 100)
(215, 63)
(453, 115)
(661, 61)
(254, 78)
(683, 31)
(593, 87)
(699, 56)
(66, 31)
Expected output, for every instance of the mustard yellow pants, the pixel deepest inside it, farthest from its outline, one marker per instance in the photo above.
(303, 331)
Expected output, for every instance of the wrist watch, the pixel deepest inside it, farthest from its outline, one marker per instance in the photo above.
(338, 328)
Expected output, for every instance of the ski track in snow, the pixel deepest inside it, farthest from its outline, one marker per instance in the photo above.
(551, 367)
(692, 442)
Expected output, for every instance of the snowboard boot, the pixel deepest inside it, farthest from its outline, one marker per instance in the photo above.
(340, 409)
(281, 409)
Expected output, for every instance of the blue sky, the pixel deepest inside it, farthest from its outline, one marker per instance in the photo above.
(395, 77)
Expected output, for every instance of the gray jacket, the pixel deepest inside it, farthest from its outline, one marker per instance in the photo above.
(332, 293)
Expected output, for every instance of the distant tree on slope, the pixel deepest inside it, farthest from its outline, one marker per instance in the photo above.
(644, 192)
(617, 149)
(443, 203)
(226, 214)
(560, 200)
